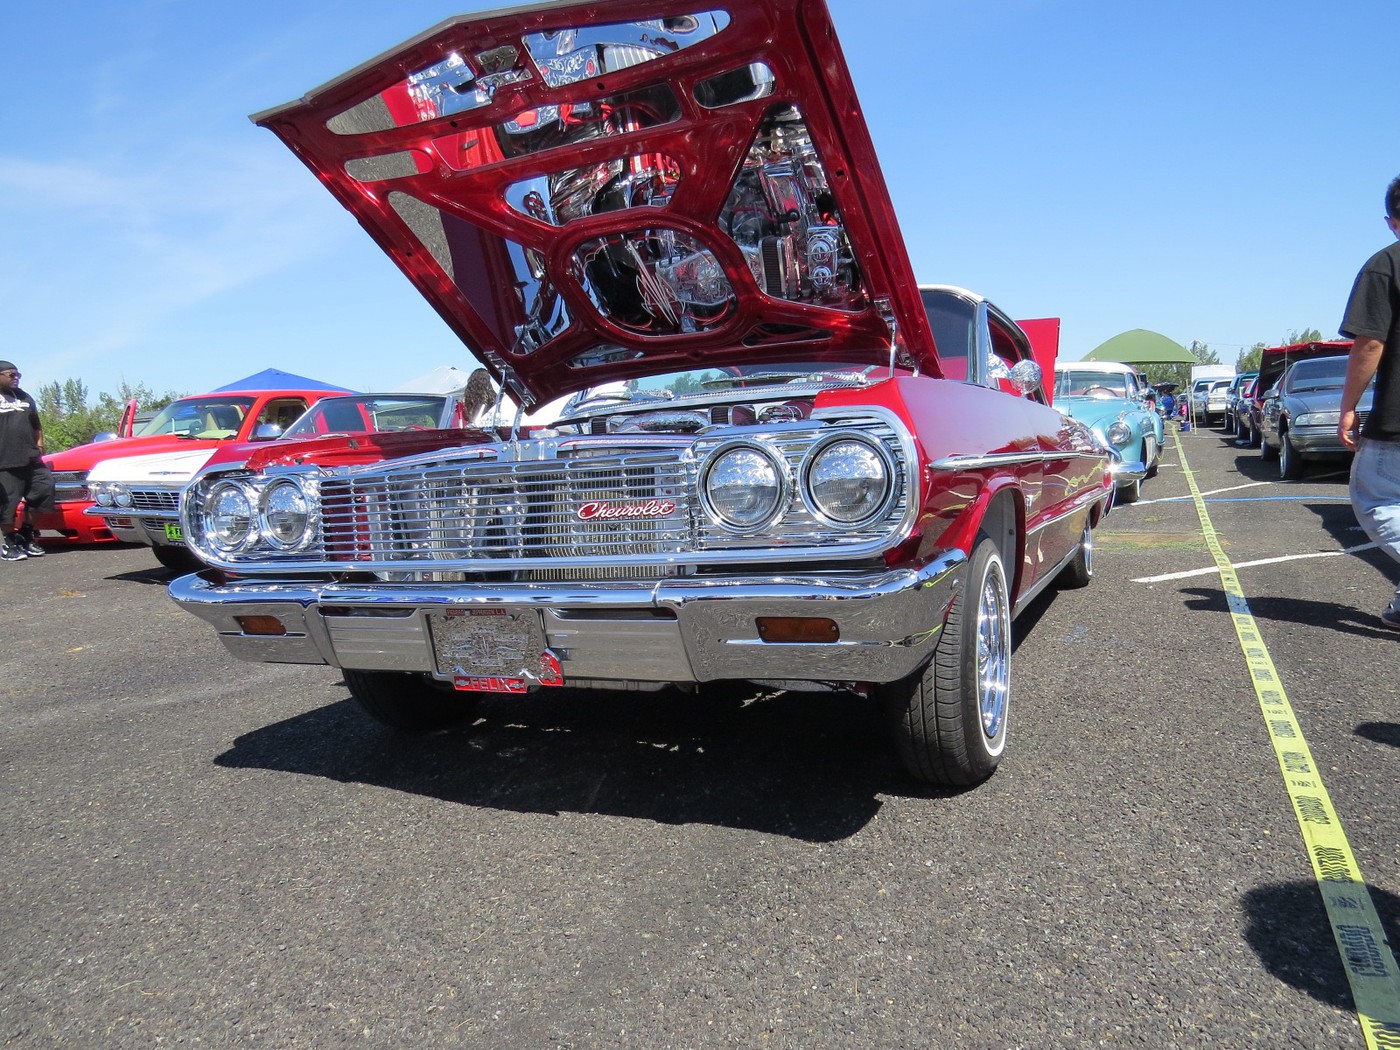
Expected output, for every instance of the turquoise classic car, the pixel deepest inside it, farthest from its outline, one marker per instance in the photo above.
(1111, 400)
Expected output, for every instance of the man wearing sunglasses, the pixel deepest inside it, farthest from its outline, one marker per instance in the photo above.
(23, 473)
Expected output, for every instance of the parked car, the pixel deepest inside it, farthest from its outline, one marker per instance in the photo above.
(138, 497)
(1111, 400)
(1301, 414)
(1246, 414)
(201, 422)
(1208, 398)
(1273, 362)
(1232, 400)
(763, 475)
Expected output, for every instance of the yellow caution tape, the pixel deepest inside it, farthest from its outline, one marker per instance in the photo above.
(1366, 956)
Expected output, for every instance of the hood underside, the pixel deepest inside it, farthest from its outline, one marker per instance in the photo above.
(596, 192)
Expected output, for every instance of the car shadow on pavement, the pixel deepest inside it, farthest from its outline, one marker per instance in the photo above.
(1344, 618)
(156, 574)
(810, 766)
(1286, 925)
(1380, 732)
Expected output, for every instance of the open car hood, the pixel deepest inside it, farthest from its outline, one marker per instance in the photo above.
(596, 192)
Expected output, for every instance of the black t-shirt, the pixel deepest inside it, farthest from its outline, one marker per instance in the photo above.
(19, 423)
(1373, 312)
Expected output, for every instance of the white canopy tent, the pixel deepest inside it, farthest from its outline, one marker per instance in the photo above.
(445, 379)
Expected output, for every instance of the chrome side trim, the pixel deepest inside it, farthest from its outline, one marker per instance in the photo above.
(1001, 459)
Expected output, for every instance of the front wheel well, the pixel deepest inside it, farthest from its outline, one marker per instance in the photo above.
(1001, 523)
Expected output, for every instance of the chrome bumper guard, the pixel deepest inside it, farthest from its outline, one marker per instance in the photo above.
(1127, 470)
(691, 630)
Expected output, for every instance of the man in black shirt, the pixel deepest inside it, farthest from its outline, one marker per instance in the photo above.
(23, 473)
(1373, 320)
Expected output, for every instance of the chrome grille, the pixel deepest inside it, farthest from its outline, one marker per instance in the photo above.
(522, 509)
(482, 510)
(155, 499)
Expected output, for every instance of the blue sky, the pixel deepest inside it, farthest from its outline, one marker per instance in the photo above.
(1209, 171)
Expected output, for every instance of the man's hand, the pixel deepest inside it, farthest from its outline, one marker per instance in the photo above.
(1347, 429)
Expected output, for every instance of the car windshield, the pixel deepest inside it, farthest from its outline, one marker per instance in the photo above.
(1321, 374)
(364, 414)
(1220, 387)
(199, 417)
(1086, 383)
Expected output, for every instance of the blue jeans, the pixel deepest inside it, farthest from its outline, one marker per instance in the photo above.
(1375, 496)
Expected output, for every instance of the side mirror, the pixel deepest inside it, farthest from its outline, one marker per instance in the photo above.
(103, 435)
(266, 432)
(1025, 376)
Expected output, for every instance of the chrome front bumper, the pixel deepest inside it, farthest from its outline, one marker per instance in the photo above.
(1317, 440)
(1126, 471)
(692, 630)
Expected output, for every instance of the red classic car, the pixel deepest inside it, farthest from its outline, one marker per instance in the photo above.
(201, 421)
(138, 497)
(763, 473)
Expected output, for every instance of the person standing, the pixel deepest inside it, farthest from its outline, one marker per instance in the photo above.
(23, 473)
(1372, 321)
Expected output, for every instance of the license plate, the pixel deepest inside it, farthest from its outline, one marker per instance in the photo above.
(498, 650)
(174, 533)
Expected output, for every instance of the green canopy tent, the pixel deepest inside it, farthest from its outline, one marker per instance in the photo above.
(1141, 347)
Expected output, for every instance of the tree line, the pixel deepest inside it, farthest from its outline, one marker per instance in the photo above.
(70, 420)
(1245, 361)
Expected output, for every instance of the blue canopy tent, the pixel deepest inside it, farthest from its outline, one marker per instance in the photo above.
(276, 379)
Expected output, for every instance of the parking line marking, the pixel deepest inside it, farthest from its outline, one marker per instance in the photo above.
(1212, 492)
(1356, 927)
(1188, 573)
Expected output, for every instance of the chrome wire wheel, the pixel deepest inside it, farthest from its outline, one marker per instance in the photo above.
(993, 654)
(951, 716)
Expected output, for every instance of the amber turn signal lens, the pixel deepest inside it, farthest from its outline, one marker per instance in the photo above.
(261, 625)
(797, 629)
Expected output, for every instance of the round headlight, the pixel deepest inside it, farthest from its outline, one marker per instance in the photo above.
(848, 481)
(226, 517)
(101, 495)
(1119, 433)
(284, 516)
(120, 496)
(743, 487)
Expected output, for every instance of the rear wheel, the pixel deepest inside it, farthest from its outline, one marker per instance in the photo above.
(1080, 569)
(950, 716)
(1229, 422)
(408, 699)
(1266, 451)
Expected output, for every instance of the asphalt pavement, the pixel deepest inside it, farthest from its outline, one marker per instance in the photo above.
(199, 851)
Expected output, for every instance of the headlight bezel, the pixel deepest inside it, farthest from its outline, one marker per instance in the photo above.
(266, 527)
(819, 509)
(1118, 433)
(259, 534)
(726, 453)
(204, 512)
